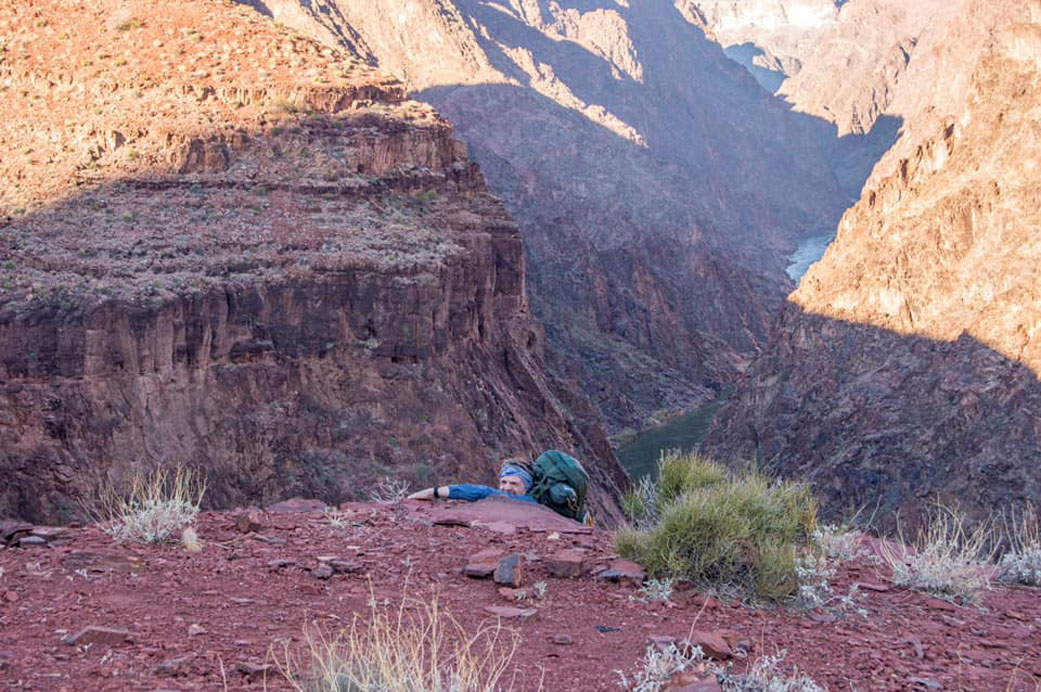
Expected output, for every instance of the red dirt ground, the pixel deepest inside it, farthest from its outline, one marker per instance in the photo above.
(231, 606)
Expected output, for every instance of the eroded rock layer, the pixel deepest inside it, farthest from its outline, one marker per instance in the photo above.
(656, 184)
(228, 247)
(907, 364)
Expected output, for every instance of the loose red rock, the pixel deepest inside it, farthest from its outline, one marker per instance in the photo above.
(93, 634)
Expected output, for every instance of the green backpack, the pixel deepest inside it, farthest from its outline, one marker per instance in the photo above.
(555, 468)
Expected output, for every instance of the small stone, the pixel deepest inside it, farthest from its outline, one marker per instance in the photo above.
(938, 604)
(868, 586)
(513, 595)
(925, 682)
(510, 571)
(483, 564)
(102, 562)
(622, 570)
(11, 596)
(322, 571)
(567, 564)
(31, 542)
(241, 601)
(345, 566)
(508, 613)
(92, 634)
(712, 644)
(252, 669)
(174, 666)
(250, 521)
(11, 530)
(563, 640)
(279, 563)
(195, 629)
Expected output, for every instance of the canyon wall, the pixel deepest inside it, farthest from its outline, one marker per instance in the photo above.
(228, 247)
(657, 186)
(906, 367)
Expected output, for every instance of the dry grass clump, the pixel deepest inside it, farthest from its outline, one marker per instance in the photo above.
(416, 648)
(155, 507)
(744, 531)
(949, 558)
(1021, 562)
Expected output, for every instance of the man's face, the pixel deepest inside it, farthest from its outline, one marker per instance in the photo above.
(512, 485)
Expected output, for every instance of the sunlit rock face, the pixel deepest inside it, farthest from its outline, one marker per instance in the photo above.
(770, 37)
(907, 364)
(657, 186)
(225, 246)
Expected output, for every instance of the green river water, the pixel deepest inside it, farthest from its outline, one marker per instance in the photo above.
(640, 457)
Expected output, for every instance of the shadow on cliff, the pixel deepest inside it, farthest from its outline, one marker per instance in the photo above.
(244, 350)
(886, 421)
(673, 231)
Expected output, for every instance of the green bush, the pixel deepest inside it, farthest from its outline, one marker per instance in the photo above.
(744, 531)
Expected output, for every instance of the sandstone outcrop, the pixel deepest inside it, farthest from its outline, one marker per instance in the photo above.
(656, 184)
(227, 246)
(907, 364)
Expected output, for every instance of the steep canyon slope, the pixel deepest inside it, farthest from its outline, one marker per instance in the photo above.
(226, 246)
(907, 364)
(656, 184)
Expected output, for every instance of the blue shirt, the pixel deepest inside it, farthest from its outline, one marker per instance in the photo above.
(472, 493)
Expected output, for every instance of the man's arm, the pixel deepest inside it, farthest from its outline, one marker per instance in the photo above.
(429, 493)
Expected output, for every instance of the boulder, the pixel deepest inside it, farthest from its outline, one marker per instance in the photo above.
(510, 571)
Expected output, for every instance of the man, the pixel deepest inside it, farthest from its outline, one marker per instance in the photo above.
(514, 483)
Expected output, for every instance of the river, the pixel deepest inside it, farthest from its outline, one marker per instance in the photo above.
(640, 457)
(810, 250)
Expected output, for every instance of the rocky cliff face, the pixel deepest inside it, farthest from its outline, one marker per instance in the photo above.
(226, 246)
(907, 364)
(771, 38)
(888, 53)
(656, 184)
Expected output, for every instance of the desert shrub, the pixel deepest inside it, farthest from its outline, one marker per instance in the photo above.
(153, 509)
(659, 665)
(949, 557)
(743, 531)
(417, 647)
(769, 674)
(678, 473)
(1021, 561)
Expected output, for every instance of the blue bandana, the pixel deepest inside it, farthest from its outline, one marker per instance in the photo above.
(509, 469)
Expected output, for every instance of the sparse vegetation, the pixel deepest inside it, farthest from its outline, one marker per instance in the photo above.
(769, 674)
(654, 590)
(948, 559)
(416, 648)
(155, 507)
(1021, 562)
(659, 665)
(712, 529)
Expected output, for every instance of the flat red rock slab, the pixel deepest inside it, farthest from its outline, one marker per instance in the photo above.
(497, 514)
(92, 634)
(510, 613)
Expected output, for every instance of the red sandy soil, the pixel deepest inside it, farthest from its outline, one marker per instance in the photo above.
(231, 606)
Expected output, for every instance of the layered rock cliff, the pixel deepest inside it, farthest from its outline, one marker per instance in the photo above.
(656, 184)
(907, 364)
(226, 246)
